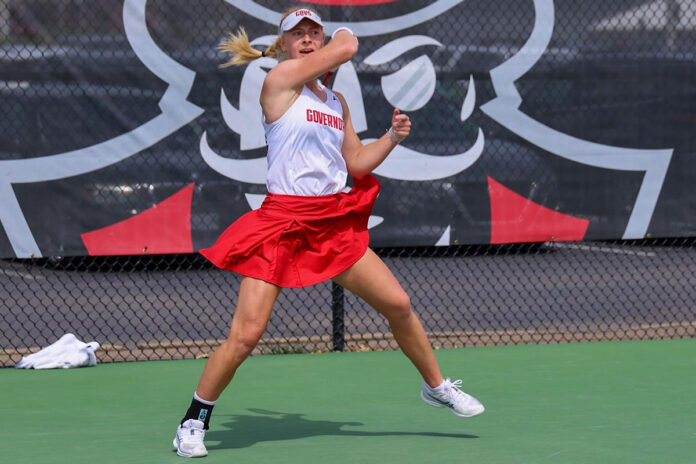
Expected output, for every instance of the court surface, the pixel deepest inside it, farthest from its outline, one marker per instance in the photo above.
(606, 402)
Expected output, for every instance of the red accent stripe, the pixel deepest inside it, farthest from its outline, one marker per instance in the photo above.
(164, 228)
(347, 2)
(516, 219)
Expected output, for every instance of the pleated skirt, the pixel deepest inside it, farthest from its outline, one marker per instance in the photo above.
(296, 241)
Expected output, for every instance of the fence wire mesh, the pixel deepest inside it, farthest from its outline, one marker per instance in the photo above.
(98, 79)
(178, 306)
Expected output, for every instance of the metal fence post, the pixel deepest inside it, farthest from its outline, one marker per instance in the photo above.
(338, 313)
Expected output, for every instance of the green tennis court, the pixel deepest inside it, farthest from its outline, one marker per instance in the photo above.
(608, 402)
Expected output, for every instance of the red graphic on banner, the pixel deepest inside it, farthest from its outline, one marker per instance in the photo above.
(164, 228)
(515, 219)
(348, 2)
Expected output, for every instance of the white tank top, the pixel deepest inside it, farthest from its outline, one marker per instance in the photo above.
(304, 147)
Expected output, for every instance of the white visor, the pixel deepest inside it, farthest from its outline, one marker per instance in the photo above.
(295, 17)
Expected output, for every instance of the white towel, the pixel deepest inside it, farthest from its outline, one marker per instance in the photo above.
(67, 352)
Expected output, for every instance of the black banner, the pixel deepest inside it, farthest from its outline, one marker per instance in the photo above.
(533, 120)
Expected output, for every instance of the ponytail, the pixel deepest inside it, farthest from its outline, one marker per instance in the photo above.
(242, 52)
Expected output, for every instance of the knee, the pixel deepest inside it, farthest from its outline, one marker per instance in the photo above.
(244, 339)
(246, 344)
(399, 307)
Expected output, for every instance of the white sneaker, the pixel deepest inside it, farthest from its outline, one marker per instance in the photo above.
(189, 439)
(460, 403)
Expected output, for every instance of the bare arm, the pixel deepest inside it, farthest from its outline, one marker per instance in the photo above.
(361, 159)
(285, 81)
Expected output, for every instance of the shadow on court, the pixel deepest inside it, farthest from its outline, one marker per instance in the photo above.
(248, 429)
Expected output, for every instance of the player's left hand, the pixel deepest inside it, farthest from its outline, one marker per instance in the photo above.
(401, 124)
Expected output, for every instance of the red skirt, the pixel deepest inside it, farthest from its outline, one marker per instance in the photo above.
(295, 241)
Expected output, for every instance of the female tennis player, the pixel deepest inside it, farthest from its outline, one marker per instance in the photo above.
(308, 230)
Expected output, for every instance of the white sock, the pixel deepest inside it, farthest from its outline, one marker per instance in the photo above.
(198, 398)
(437, 389)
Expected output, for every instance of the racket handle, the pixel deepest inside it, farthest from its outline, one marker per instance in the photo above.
(327, 76)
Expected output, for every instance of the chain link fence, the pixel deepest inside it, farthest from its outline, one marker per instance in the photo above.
(178, 306)
(86, 80)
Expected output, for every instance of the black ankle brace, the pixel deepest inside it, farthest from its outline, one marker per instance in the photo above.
(199, 411)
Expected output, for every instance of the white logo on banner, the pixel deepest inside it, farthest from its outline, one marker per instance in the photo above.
(177, 111)
(410, 88)
(505, 110)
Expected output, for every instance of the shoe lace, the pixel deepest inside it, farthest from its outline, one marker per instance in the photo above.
(193, 435)
(454, 389)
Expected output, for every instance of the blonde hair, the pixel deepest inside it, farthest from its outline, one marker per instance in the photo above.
(241, 50)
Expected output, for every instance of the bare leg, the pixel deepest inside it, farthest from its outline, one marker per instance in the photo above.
(371, 280)
(254, 306)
